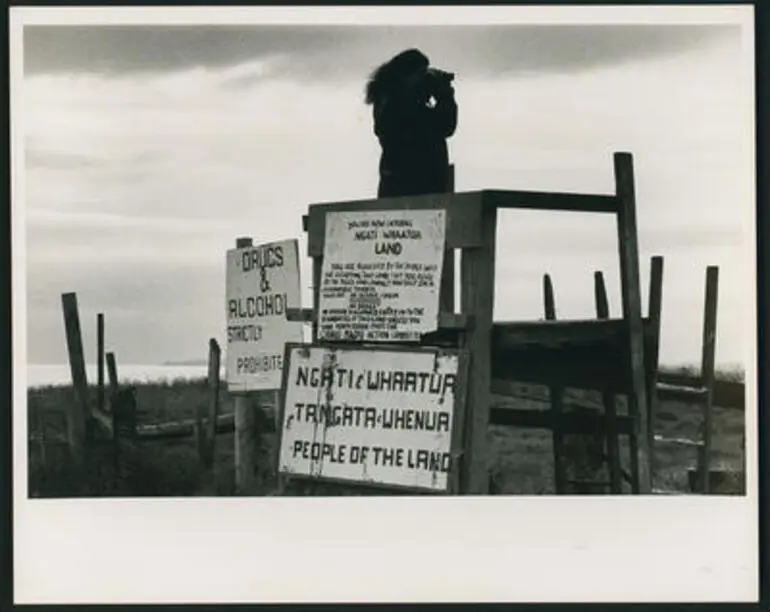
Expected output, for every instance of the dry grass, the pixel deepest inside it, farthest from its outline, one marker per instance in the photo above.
(520, 460)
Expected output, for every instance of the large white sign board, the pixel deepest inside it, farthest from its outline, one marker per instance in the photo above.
(381, 275)
(262, 282)
(380, 417)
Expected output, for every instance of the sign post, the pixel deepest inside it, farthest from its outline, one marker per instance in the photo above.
(388, 417)
(262, 283)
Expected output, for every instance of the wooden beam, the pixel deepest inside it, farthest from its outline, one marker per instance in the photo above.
(318, 264)
(464, 210)
(726, 394)
(79, 410)
(535, 200)
(632, 315)
(681, 393)
(477, 300)
(556, 396)
(100, 362)
(300, 315)
(225, 423)
(555, 333)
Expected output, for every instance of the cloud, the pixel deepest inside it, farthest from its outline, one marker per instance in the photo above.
(321, 53)
(152, 313)
(147, 157)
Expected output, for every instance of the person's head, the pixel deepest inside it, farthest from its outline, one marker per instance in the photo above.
(407, 65)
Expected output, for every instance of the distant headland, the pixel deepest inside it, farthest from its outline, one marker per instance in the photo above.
(185, 362)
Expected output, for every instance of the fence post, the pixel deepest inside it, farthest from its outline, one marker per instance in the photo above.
(78, 414)
(200, 432)
(100, 362)
(707, 371)
(213, 380)
(112, 373)
(654, 309)
(556, 396)
(608, 399)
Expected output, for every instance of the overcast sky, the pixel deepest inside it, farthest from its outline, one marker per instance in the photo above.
(148, 150)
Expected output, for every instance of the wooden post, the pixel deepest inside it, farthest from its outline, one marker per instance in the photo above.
(124, 415)
(632, 316)
(213, 383)
(477, 301)
(317, 277)
(707, 370)
(608, 399)
(200, 432)
(556, 396)
(78, 415)
(447, 287)
(245, 428)
(100, 362)
(654, 308)
(112, 373)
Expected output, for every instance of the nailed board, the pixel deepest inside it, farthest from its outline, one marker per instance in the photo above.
(386, 417)
(381, 275)
(262, 282)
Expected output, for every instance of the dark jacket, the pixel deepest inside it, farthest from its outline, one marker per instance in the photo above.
(413, 137)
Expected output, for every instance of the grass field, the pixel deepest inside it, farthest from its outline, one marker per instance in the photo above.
(520, 460)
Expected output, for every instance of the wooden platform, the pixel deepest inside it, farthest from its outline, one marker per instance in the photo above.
(587, 354)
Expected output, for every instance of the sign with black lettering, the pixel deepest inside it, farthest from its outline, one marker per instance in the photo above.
(381, 275)
(262, 282)
(384, 417)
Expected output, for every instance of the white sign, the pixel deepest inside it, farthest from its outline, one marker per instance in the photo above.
(381, 275)
(383, 417)
(262, 282)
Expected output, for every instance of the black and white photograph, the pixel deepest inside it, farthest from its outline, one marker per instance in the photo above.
(496, 264)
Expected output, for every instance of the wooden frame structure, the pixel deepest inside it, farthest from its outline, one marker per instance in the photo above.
(599, 354)
(610, 430)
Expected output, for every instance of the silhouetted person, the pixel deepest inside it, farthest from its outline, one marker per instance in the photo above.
(414, 113)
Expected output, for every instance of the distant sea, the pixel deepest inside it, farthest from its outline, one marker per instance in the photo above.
(59, 374)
